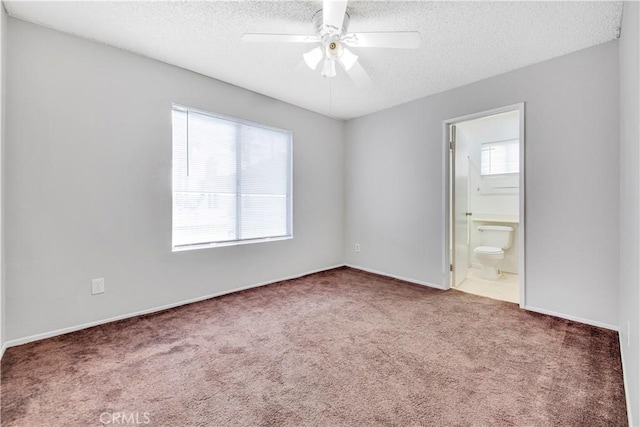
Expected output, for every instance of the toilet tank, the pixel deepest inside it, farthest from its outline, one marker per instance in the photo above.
(497, 236)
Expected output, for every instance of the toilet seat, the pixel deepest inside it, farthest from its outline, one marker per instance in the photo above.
(488, 250)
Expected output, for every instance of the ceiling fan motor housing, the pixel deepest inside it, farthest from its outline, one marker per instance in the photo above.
(324, 33)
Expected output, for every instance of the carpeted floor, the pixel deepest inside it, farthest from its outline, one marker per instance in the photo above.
(339, 348)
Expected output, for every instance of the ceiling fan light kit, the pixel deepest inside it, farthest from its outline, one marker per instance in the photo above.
(313, 57)
(330, 24)
(333, 49)
(329, 68)
(348, 59)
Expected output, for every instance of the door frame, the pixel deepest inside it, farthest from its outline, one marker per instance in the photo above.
(446, 191)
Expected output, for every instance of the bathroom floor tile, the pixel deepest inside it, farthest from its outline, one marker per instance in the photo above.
(506, 288)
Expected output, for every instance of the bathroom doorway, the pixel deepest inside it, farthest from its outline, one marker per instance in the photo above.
(484, 192)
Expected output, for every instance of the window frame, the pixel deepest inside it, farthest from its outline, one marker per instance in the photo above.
(289, 184)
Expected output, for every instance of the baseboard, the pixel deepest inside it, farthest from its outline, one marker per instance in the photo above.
(45, 335)
(574, 318)
(50, 334)
(626, 386)
(405, 279)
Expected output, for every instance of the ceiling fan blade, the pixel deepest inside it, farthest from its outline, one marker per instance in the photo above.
(279, 38)
(333, 15)
(301, 67)
(396, 39)
(359, 75)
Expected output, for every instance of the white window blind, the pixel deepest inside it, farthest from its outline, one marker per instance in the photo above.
(500, 157)
(231, 180)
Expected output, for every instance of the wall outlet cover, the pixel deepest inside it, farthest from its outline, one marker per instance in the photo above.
(97, 286)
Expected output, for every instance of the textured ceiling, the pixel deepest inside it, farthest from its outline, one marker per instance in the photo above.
(463, 42)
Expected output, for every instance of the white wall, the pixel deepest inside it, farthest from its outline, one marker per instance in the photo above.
(3, 63)
(486, 199)
(88, 185)
(394, 182)
(630, 207)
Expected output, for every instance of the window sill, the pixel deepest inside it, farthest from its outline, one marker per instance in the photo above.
(230, 243)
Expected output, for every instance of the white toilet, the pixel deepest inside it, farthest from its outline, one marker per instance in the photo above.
(494, 240)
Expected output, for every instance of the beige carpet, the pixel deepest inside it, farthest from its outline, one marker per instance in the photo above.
(339, 348)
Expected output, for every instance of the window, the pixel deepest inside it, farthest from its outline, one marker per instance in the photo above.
(500, 157)
(231, 181)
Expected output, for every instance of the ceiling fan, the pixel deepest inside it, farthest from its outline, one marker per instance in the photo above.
(330, 24)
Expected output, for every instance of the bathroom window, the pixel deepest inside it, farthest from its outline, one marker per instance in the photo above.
(500, 157)
(231, 181)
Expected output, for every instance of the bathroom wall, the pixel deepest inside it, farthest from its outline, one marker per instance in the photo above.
(492, 197)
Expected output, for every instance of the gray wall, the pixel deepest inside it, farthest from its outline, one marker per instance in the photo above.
(394, 182)
(630, 207)
(3, 63)
(88, 185)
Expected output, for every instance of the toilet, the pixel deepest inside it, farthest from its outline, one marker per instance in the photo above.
(494, 240)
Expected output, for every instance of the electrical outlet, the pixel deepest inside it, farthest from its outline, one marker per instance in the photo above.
(628, 334)
(357, 247)
(97, 286)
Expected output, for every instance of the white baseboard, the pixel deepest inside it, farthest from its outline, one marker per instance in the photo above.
(626, 387)
(45, 335)
(50, 334)
(574, 318)
(406, 279)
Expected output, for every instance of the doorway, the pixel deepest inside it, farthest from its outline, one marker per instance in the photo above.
(484, 202)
